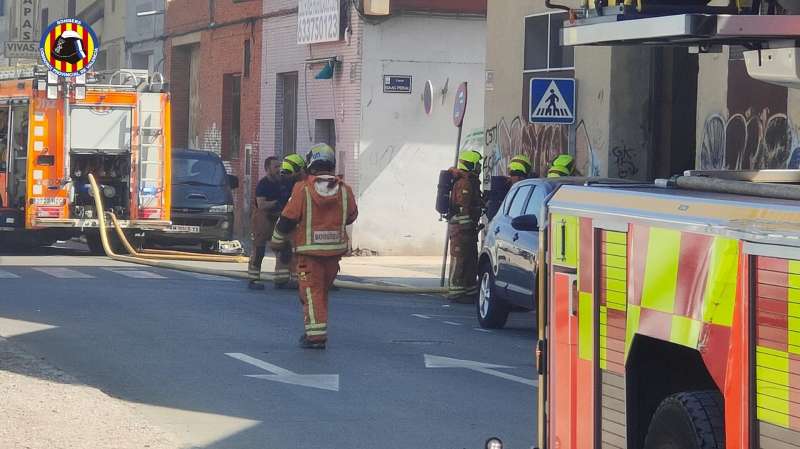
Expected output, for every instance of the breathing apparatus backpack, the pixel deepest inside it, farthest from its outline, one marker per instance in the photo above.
(443, 190)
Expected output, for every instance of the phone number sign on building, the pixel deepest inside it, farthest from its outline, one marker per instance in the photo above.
(318, 21)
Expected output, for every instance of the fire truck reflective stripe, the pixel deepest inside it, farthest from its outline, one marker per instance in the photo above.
(639, 237)
(620, 238)
(585, 326)
(586, 257)
(692, 273)
(721, 282)
(634, 315)
(685, 331)
(773, 417)
(772, 359)
(661, 272)
(615, 249)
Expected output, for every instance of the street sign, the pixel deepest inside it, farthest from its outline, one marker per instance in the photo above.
(396, 84)
(427, 97)
(460, 107)
(552, 100)
(21, 50)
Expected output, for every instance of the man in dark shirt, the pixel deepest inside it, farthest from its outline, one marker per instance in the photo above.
(272, 194)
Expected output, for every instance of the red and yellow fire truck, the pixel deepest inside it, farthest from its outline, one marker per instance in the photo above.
(55, 131)
(672, 315)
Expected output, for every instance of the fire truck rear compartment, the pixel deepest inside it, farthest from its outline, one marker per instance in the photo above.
(112, 172)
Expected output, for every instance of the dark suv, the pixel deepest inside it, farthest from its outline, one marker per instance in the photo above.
(202, 200)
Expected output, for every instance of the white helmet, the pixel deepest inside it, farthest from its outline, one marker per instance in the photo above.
(321, 154)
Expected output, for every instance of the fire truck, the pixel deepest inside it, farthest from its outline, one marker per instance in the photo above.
(670, 312)
(55, 131)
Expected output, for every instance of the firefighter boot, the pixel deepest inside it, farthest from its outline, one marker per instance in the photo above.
(305, 343)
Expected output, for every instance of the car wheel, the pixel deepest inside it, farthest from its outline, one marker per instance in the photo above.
(207, 246)
(492, 311)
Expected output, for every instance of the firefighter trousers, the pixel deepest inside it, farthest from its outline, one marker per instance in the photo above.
(463, 263)
(263, 225)
(315, 276)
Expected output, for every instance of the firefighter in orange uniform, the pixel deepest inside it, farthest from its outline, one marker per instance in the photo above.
(320, 208)
(465, 212)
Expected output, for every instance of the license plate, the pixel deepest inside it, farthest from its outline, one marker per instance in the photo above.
(9, 221)
(183, 228)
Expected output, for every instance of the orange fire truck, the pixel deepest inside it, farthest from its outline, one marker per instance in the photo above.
(54, 132)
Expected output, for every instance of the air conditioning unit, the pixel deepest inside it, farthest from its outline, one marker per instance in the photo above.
(779, 66)
(376, 7)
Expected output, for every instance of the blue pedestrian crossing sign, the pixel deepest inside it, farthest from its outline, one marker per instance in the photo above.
(552, 100)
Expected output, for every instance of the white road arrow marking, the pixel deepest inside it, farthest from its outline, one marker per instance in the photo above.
(435, 361)
(322, 381)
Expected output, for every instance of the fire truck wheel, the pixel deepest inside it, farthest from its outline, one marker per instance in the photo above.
(492, 311)
(689, 420)
(96, 245)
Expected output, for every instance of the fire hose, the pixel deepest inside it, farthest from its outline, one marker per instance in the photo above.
(161, 258)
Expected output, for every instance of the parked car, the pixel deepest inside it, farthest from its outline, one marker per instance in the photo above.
(202, 201)
(507, 263)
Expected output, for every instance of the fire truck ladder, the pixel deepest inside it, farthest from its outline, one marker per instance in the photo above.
(151, 146)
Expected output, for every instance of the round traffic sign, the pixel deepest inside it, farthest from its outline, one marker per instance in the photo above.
(427, 97)
(460, 108)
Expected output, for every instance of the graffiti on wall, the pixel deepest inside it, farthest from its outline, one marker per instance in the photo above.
(540, 142)
(754, 132)
(749, 141)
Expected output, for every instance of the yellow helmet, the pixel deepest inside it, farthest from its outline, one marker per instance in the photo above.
(562, 165)
(521, 163)
(293, 163)
(469, 161)
(519, 167)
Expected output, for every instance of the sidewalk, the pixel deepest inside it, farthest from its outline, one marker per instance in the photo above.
(44, 408)
(407, 271)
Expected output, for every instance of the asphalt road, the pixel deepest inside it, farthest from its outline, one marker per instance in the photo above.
(181, 346)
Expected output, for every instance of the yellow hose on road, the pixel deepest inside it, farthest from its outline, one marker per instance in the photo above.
(171, 255)
(160, 262)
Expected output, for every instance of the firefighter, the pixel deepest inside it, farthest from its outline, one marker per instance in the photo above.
(562, 165)
(293, 170)
(272, 193)
(519, 168)
(320, 208)
(465, 212)
(294, 167)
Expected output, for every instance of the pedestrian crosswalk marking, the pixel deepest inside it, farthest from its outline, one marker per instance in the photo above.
(7, 275)
(63, 273)
(136, 274)
(208, 277)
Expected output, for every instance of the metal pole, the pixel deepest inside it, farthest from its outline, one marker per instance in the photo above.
(447, 230)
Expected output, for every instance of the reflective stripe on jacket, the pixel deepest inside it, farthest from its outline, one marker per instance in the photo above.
(322, 207)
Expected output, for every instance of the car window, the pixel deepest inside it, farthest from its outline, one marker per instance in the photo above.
(197, 170)
(518, 203)
(534, 206)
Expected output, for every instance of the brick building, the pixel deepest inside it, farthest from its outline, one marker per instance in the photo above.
(388, 149)
(213, 60)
